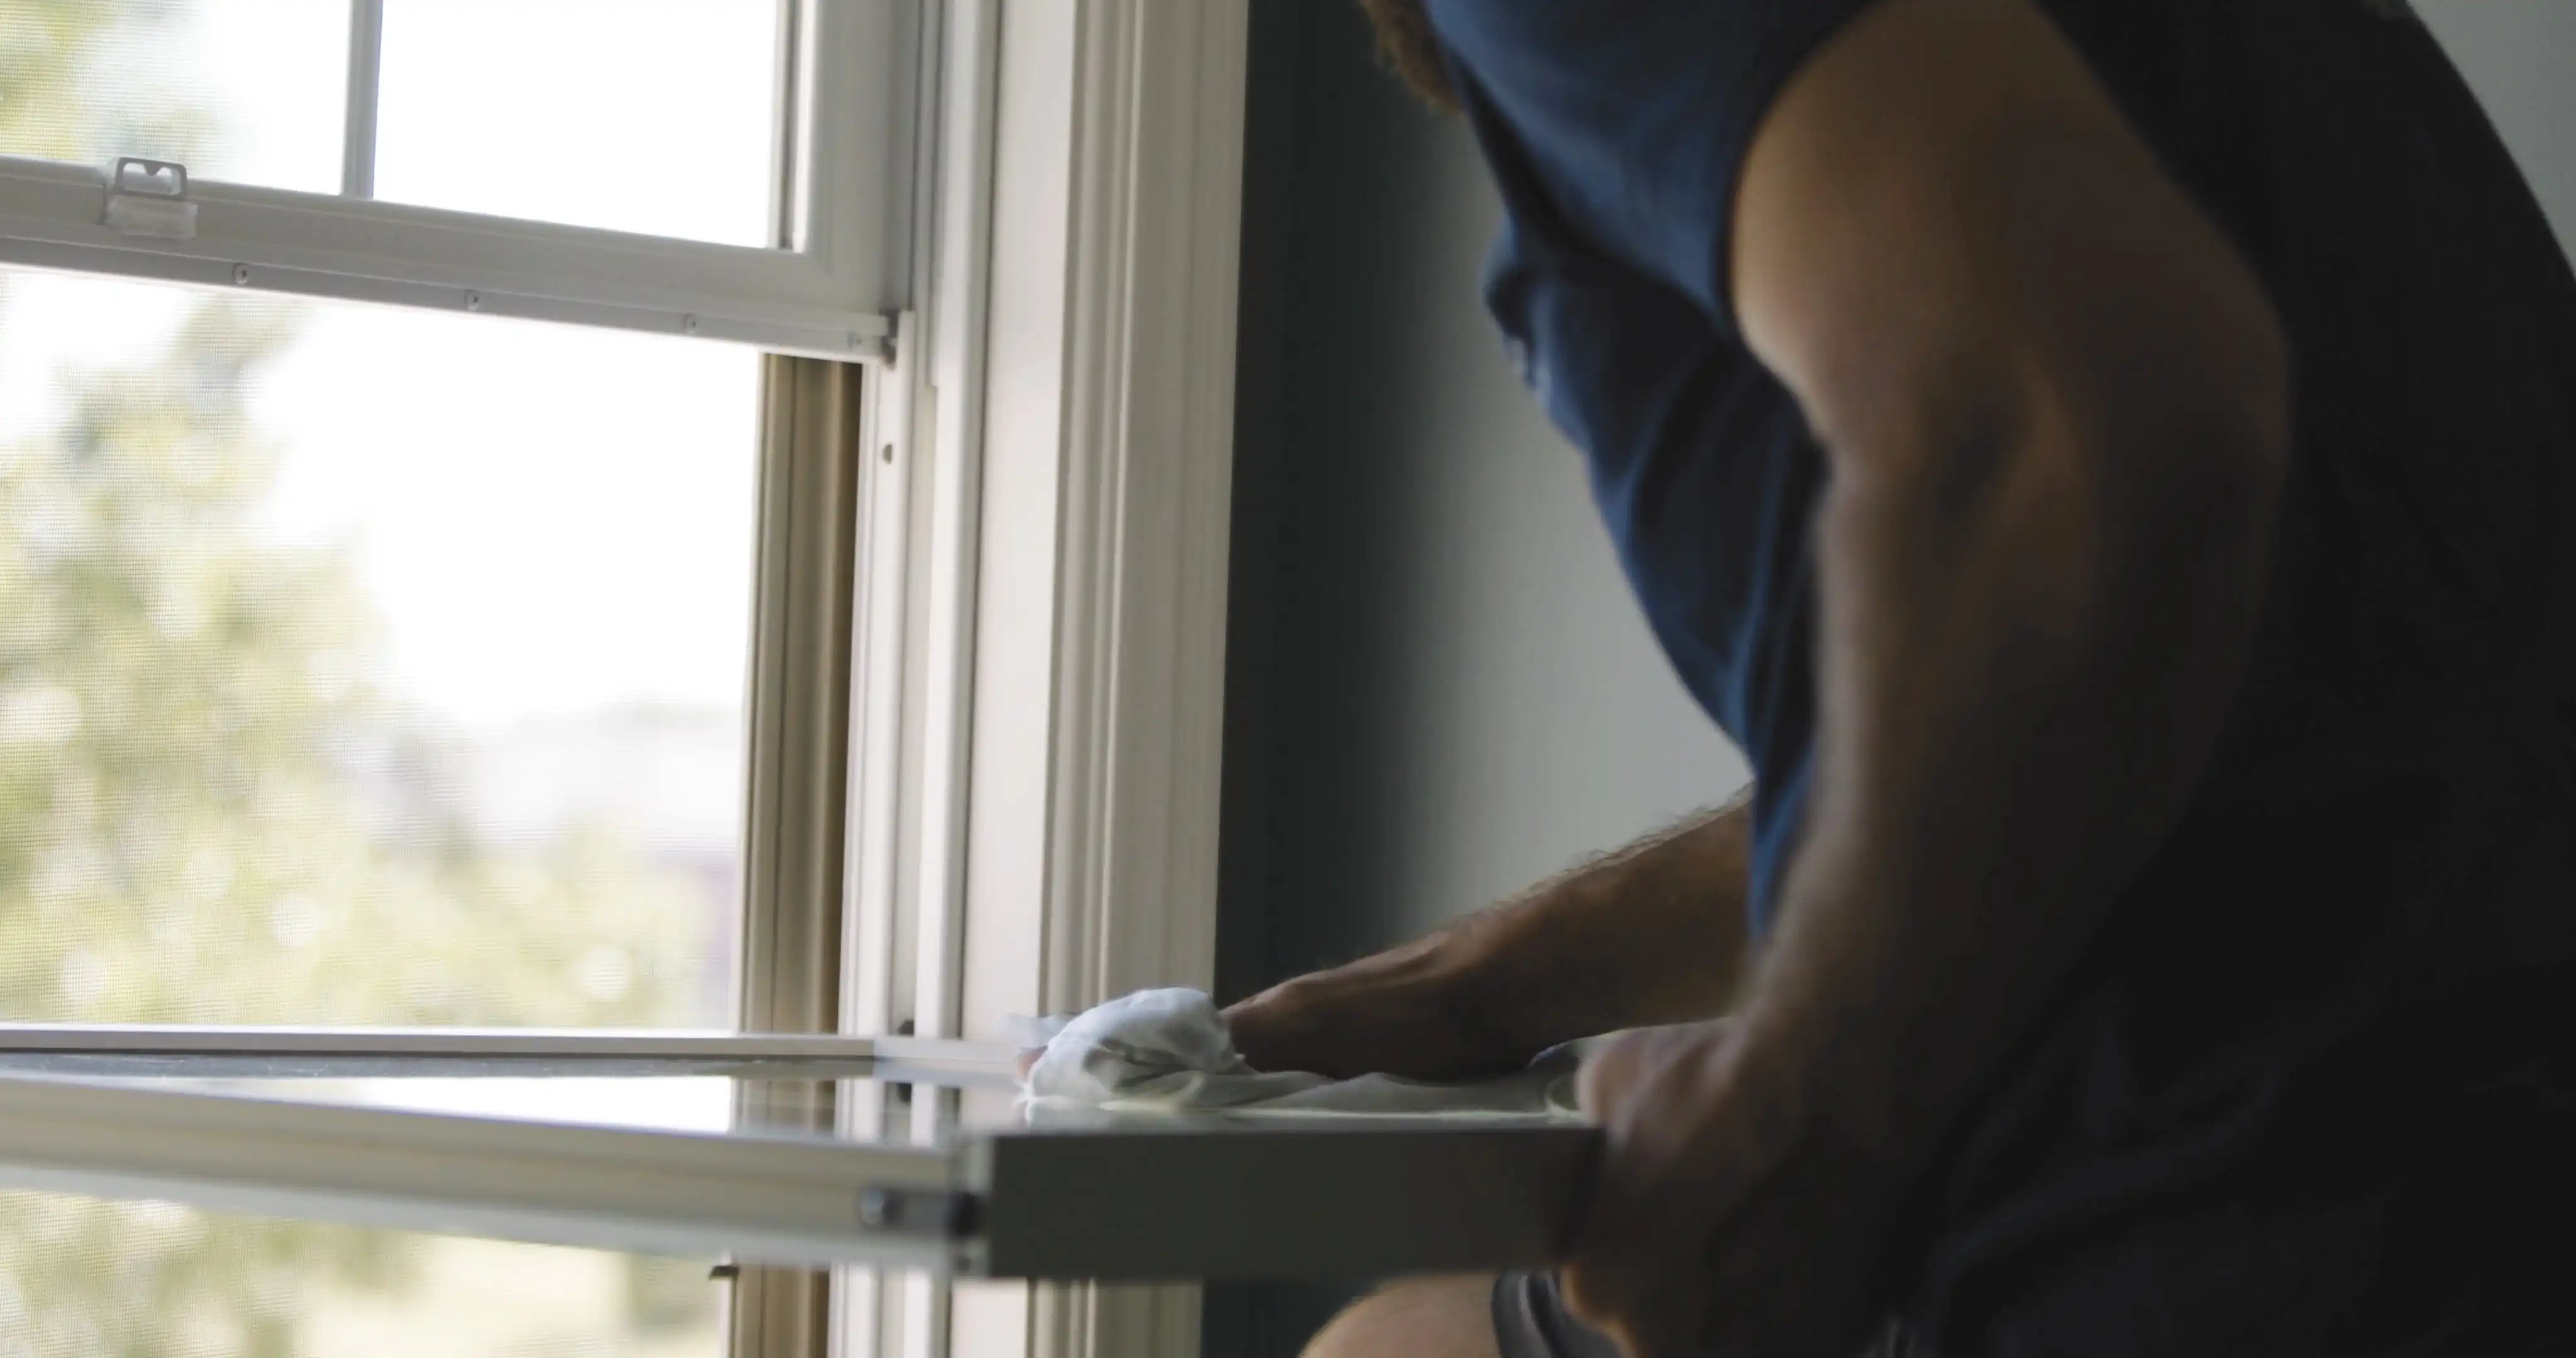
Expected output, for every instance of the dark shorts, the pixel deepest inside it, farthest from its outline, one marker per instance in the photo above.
(1530, 1321)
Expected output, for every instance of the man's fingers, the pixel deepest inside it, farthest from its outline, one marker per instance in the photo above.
(1609, 1073)
(1651, 1091)
(1606, 1075)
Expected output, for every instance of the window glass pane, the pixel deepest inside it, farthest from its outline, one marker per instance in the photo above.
(251, 91)
(655, 116)
(365, 665)
(81, 1277)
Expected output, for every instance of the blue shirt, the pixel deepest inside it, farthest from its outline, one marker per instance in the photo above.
(1616, 130)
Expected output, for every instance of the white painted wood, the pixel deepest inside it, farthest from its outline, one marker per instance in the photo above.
(830, 294)
(1148, 416)
(907, 1317)
(1099, 683)
(958, 322)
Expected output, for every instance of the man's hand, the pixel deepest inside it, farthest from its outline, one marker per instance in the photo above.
(1401, 1013)
(1651, 934)
(1725, 1221)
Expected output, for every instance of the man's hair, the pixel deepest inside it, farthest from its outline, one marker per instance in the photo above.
(1405, 42)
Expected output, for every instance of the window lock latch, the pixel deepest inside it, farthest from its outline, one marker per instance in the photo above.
(150, 198)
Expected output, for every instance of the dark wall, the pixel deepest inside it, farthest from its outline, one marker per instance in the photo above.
(1438, 688)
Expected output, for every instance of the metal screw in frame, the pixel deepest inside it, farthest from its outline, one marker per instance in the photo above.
(241, 275)
(688, 325)
(473, 301)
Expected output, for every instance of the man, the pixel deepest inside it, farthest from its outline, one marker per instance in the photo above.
(2111, 466)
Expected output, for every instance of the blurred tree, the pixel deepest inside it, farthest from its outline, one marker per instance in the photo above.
(207, 812)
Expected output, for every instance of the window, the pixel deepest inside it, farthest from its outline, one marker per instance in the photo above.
(385, 666)
(332, 698)
(961, 578)
(719, 168)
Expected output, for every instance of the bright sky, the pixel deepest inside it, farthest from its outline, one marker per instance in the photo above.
(551, 520)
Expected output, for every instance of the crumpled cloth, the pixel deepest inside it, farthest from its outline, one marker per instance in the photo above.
(1170, 1051)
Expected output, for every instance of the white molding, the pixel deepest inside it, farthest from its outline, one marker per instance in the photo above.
(1148, 481)
(1108, 460)
(1108, 478)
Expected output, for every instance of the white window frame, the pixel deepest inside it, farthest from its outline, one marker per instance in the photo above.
(1136, 1202)
(1036, 598)
(830, 289)
(1042, 683)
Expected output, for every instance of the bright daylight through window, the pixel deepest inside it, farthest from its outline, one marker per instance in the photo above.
(364, 666)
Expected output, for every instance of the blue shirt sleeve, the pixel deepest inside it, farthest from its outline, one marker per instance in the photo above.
(1635, 115)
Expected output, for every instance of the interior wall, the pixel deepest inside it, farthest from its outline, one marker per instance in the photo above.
(2519, 56)
(1438, 689)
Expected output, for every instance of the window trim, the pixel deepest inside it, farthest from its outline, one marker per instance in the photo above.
(1095, 745)
(831, 292)
(902, 960)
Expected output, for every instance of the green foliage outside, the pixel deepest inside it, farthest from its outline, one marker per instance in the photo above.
(207, 814)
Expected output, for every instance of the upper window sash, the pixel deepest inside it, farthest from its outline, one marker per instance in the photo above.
(828, 289)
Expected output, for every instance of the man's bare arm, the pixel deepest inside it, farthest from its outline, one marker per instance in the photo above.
(2055, 404)
(1651, 934)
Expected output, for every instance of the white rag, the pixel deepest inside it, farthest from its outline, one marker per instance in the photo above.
(1170, 1051)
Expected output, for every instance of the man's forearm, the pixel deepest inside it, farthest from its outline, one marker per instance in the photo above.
(1653, 933)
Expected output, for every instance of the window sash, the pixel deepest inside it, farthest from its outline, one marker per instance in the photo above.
(595, 1187)
(829, 291)
(267, 1050)
(1312, 1197)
